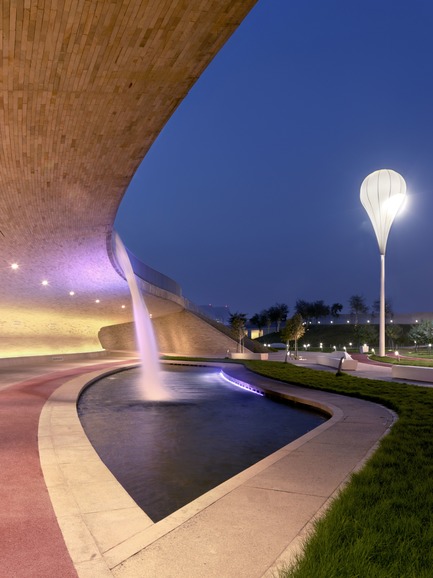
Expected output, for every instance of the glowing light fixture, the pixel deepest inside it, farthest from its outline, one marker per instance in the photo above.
(241, 384)
(71, 293)
(97, 301)
(123, 306)
(382, 196)
(14, 266)
(44, 282)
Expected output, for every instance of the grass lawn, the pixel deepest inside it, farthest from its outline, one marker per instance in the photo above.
(421, 360)
(381, 525)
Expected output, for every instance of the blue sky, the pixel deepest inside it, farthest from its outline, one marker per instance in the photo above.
(250, 195)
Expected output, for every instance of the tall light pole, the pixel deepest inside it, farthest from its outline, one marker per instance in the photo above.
(382, 195)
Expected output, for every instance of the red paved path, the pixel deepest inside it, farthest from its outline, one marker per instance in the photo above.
(361, 357)
(31, 543)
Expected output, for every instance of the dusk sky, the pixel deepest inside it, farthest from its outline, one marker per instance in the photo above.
(250, 195)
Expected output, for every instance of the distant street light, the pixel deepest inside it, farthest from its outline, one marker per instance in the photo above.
(382, 195)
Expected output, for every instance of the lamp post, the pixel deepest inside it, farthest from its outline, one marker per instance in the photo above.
(382, 195)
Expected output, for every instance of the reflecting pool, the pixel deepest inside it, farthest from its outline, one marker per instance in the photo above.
(165, 454)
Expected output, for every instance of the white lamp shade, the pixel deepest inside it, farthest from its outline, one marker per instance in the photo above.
(382, 195)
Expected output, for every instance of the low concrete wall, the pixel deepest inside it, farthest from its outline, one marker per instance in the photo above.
(333, 360)
(42, 359)
(263, 356)
(413, 373)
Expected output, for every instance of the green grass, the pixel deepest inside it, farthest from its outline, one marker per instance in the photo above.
(381, 525)
(427, 362)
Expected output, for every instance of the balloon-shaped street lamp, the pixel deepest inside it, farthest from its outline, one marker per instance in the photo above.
(382, 195)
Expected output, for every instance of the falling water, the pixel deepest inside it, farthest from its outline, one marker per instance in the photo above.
(151, 381)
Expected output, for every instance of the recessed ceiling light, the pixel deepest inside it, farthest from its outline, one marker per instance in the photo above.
(44, 282)
(14, 266)
(97, 301)
(123, 306)
(71, 293)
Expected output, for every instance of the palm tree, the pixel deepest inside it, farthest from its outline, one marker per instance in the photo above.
(336, 309)
(389, 313)
(278, 314)
(237, 322)
(303, 308)
(319, 309)
(357, 307)
(259, 320)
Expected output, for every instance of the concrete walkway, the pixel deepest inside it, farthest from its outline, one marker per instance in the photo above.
(245, 527)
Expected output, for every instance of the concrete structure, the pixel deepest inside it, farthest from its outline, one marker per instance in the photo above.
(86, 87)
(179, 333)
(412, 373)
(334, 360)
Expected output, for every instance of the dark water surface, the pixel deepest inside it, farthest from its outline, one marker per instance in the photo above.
(166, 454)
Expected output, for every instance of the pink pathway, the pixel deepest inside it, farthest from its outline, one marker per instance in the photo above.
(31, 543)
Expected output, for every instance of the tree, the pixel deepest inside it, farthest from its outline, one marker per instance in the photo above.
(318, 309)
(336, 309)
(303, 308)
(357, 307)
(278, 314)
(237, 322)
(366, 334)
(293, 331)
(415, 335)
(389, 313)
(394, 333)
(268, 320)
(421, 333)
(259, 320)
(311, 310)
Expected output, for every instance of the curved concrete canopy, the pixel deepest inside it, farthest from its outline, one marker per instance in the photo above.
(86, 86)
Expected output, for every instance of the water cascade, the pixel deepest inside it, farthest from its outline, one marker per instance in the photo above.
(151, 381)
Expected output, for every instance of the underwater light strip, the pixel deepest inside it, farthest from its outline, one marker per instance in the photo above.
(241, 384)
